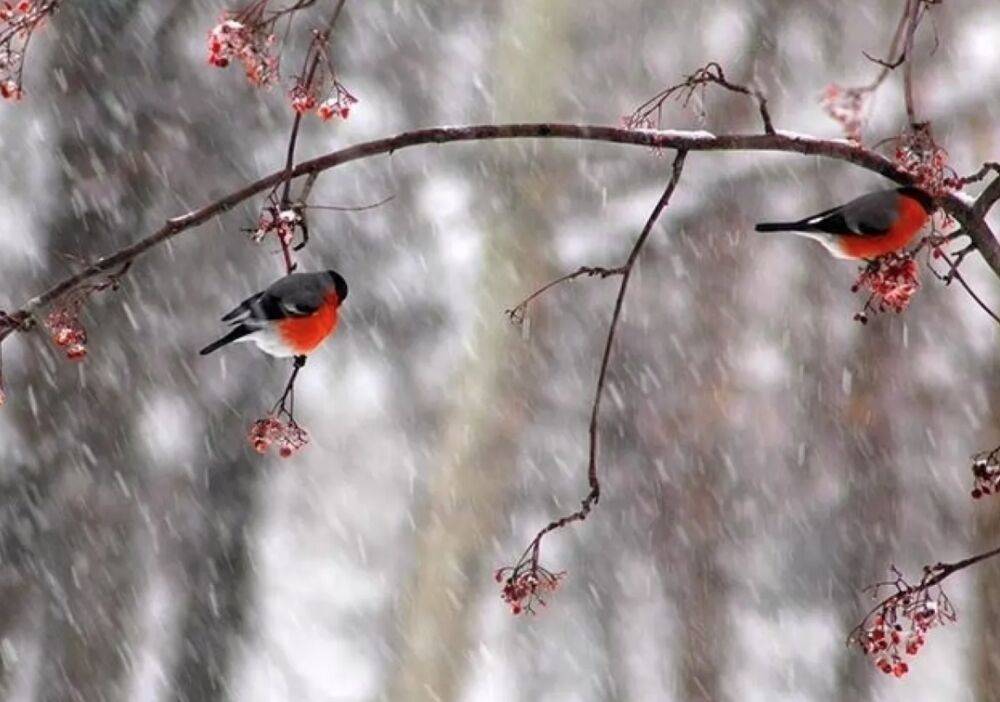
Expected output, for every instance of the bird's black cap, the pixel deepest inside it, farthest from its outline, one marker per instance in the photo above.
(339, 284)
(925, 200)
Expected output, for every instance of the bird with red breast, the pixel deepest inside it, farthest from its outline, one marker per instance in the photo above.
(292, 317)
(870, 226)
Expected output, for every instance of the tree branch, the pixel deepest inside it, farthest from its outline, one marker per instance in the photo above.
(968, 215)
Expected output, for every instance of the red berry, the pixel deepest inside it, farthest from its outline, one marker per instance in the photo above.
(76, 352)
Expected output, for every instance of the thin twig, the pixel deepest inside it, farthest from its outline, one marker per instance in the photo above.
(710, 74)
(889, 64)
(518, 311)
(286, 403)
(593, 480)
(953, 274)
(913, 13)
(286, 198)
(350, 208)
(985, 170)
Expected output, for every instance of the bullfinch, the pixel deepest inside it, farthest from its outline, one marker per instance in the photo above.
(292, 317)
(867, 227)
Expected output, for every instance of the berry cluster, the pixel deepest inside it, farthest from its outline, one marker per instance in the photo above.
(986, 473)
(847, 107)
(525, 584)
(288, 436)
(250, 37)
(250, 44)
(919, 155)
(317, 88)
(337, 104)
(304, 98)
(67, 331)
(898, 626)
(11, 12)
(892, 279)
(18, 20)
(280, 223)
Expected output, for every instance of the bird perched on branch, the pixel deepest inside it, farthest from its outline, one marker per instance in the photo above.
(868, 227)
(290, 318)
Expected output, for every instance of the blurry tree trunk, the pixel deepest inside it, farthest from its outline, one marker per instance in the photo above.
(472, 484)
(217, 574)
(208, 561)
(84, 557)
(869, 512)
(986, 600)
(702, 597)
(986, 647)
(692, 514)
(74, 533)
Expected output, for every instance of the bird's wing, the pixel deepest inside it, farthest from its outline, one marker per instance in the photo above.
(238, 313)
(296, 295)
(868, 215)
(300, 304)
(874, 213)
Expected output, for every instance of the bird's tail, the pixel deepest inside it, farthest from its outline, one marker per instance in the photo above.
(800, 226)
(237, 333)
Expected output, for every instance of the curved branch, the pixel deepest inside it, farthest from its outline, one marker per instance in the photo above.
(963, 210)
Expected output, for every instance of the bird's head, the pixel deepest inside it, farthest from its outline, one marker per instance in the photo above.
(925, 200)
(338, 284)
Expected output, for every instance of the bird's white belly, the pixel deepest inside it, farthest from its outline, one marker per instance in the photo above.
(270, 342)
(829, 242)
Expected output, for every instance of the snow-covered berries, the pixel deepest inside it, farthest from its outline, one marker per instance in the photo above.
(986, 473)
(250, 44)
(846, 106)
(337, 105)
(526, 584)
(66, 330)
(897, 628)
(891, 280)
(249, 36)
(919, 155)
(270, 431)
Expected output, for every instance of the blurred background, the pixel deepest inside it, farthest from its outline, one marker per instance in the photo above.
(764, 457)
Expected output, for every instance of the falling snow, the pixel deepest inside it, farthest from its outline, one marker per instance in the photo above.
(764, 457)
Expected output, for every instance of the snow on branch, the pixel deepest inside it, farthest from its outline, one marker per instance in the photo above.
(649, 115)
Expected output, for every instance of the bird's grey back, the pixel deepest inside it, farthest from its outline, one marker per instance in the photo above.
(874, 212)
(295, 294)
